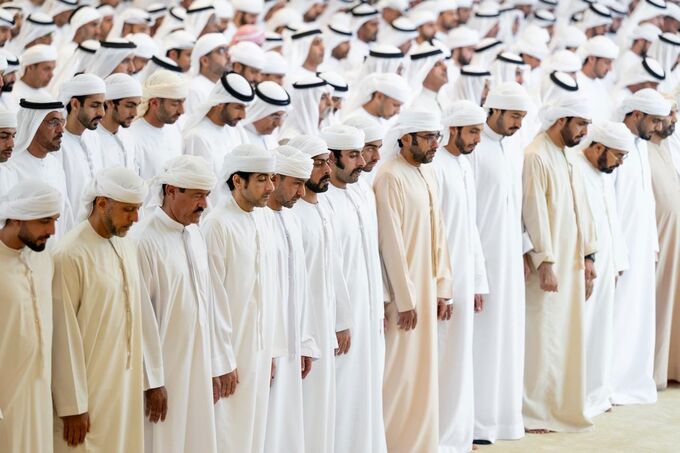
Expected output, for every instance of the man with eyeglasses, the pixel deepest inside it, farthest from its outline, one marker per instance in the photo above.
(499, 330)
(562, 270)
(40, 127)
(666, 186)
(415, 255)
(608, 146)
(633, 360)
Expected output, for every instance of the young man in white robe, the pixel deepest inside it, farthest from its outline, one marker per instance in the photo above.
(28, 214)
(560, 226)
(83, 97)
(37, 65)
(241, 259)
(426, 74)
(198, 361)
(379, 96)
(99, 374)
(609, 143)
(634, 312)
(265, 114)
(357, 419)
(116, 147)
(214, 127)
(463, 123)
(328, 298)
(285, 423)
(209, 61)
(364, 196)
(599, 53)
(499, 330)
(155, 131)
(40, 126)
(415, 256)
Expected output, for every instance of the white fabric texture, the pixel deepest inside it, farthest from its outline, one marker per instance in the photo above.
(292, 162)
(185, 172)
(117, 183)
(30, 200)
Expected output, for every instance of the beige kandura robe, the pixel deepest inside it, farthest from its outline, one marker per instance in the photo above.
(559, 223)
(666, 186)
(25, 350)
(414, 251)
(98, 341)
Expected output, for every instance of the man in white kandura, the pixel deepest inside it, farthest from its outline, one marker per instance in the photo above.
(285, 425)
(83, 97)
(213, 129)
(198, 360)
(241, 258)
(155, 131)
(609, 144)
(28, 213)
(98, 373)
(116, 148)
(634, 313)
(499, 330)
(328, 298)
(463, 124)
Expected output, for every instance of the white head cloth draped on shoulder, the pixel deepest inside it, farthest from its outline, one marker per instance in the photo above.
(117, 183)
(186, 172)
(30, 116)
(30, 200)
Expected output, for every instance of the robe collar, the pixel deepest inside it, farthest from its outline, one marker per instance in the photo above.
(491, 134)
(8, 251)
(169, 223)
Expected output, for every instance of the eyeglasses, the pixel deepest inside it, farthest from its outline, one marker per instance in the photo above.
(618, 156)
(430, 138)
(55, 122)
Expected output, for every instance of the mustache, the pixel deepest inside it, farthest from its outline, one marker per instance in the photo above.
(199, 209)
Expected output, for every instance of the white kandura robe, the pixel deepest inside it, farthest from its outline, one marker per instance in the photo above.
(199, 90)
(175, 280)
(557, 219)
(598, 89)
(611, 258)
(116, 150)
(97, 365)
(80, 158)
(241, 259)
(285, 424)
(25, 166)
(329, 300)
(25, 350)
(456, 378)
(634, 303)
(213, 142)
(22, 91)
(415, 254)
(498, 345)
(356, 418)
(154, 146)
(266, 141)
(364, 197)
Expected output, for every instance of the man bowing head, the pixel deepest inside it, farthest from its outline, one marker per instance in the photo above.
(98, 380)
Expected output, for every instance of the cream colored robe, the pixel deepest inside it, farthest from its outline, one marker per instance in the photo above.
(666, 186)
(559, 223)
(25, 350)
(416, 258)
(97, 366)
